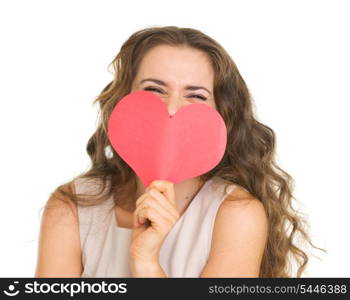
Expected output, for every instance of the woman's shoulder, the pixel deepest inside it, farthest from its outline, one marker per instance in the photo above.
(240, 208)
(60, 207)
(239, 204)
(59, 228)
(92, 192)
(93, 203)
(239, 233)
(87, 186)
(59, 201)
(221, 186)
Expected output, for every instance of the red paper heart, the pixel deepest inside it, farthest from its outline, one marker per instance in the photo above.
(158, 146)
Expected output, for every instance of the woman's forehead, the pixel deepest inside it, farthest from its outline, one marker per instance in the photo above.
(176, 65)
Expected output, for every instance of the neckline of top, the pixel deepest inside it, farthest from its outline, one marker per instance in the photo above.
(129, 230)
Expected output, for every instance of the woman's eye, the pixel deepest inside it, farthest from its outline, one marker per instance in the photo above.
(199, 96)
(159, 91)
(152, 89)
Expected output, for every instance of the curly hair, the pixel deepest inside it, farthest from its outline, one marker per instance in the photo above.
(248, 161)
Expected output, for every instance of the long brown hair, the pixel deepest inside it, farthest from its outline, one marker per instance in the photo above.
(249, 159)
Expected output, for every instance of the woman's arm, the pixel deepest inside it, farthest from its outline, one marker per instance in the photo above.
(59, 253)
(239, 237)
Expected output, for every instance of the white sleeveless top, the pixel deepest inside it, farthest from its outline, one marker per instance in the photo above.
(185, 250)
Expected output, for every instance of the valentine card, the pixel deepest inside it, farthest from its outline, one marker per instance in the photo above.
(159, 146)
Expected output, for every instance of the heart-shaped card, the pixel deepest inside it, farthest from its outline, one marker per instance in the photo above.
(159, 146)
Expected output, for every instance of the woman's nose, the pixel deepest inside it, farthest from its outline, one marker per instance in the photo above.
(173, 104)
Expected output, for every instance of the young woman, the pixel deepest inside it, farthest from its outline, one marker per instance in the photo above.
(230, 222)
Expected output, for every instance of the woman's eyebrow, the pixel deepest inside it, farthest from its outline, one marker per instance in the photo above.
(188, 87)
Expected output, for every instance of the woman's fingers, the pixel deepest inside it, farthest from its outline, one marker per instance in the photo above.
(164, 202)
(161, 196)
(161, 199)
(159, 222)
(166, 211)
(165, 187)
(136, 219)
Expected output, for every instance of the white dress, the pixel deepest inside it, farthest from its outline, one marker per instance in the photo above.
(185, 250)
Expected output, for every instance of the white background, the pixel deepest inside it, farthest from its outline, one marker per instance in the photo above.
(54, 55)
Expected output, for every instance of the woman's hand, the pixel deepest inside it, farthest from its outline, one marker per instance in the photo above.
(155, 215)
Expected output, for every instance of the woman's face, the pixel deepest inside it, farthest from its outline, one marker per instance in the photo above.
(179, 76)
